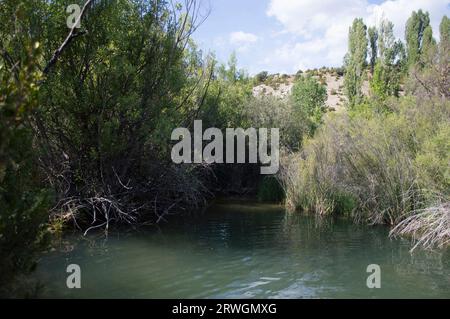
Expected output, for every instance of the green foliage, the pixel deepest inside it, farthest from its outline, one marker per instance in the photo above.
(23, 202)
(432, 160)
(387, 72)
(226, 97)
(372, 33)
(391, 51)
(444, 29)
(429, 77)
(355, 62)
(386, 41)
(428, 43)
(414, 33)
(444, 44)
(270, 190)
(385, 81)
(387, 158)
(293, 123)
(380, 166)
(309, 97)
(108, 106)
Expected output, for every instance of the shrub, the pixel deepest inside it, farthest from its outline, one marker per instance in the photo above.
(309, 97)
(104, 126)
(380, 166)
(385, 81)
(280, 113)
(23, 202)
(262, 77)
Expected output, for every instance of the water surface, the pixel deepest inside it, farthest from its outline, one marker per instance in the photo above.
(245, 250)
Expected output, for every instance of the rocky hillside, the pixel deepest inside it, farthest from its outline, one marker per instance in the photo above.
(281, 85)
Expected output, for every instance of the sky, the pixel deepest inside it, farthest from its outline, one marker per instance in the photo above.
(284, 36)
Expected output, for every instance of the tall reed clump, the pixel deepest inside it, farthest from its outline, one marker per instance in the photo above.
(378, 164)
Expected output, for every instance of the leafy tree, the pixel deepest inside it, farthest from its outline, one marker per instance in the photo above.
(386, 77)
(444, 46)
(309, 97)
(414, 33)
(428, 46)
(109, 101)
(355, 62)
(444, 29)
(227, 94)
(373, 53)
(386, 42)
(431, 78)
(23, 201)
(230, 72)
(270, 111)
(385, 81)
(428, 40)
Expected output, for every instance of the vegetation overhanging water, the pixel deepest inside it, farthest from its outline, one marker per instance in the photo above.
(86, 116)
(244, 249)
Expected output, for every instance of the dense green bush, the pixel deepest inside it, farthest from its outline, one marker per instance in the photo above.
(384, 165)
(24, 202)
(309, 97)
(385, 81)
(108, 106)
(227, 95)
(272, 112)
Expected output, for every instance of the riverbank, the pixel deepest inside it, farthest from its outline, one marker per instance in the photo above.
(381, 163)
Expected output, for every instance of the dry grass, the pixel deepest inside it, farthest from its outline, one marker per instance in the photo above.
(428, 228)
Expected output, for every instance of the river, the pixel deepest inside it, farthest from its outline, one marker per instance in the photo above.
(242, 249)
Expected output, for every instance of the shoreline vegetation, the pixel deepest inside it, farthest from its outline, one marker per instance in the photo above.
(85, 130)
(386, 159)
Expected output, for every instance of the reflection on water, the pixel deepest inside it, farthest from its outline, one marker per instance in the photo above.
(246, 250)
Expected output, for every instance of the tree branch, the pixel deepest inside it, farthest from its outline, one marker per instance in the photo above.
(68, 39)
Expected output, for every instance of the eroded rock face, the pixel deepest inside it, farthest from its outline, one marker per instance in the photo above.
(282, 88)
(282, 91)
(335, 91)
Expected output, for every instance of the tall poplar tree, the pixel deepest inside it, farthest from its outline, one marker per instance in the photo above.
(386, 76)
(373, 53)
(355, 61)
(414, 33)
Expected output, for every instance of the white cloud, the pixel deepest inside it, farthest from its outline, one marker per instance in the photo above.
(242, 38)
(308, 17)
(399, 11)
(242, 41)
(320, 27)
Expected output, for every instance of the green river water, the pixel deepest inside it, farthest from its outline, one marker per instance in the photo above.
(245, 250)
